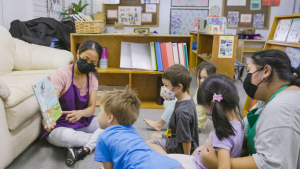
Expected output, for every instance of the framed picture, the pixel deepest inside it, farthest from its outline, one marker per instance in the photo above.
(141, 30)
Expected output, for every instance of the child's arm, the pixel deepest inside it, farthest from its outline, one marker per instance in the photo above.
(223, 158)
(108, 165)
(187, 147)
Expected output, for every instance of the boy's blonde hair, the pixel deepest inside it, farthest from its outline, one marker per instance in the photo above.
(124, 105)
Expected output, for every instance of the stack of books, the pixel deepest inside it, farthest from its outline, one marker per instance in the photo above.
(157, 56)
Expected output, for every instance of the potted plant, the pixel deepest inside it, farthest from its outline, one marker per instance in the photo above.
(73, 10)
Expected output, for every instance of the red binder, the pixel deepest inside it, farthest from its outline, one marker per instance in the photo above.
(170, 53)
(164, 55)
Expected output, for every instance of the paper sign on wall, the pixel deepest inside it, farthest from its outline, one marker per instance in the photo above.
(151, 8)
(112, 13)
(150, 1)
(255, 4)
(246, 18)
(146, 17)
(226, 47)
(130, 15)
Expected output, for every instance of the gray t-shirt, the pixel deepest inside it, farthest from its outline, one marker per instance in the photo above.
(277, 139)
(184, 127)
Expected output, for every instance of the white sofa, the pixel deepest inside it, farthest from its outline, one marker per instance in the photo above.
(22, 64)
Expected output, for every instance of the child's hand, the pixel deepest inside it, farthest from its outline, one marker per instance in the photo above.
(208, 156)
(52, 125)
(197, 149)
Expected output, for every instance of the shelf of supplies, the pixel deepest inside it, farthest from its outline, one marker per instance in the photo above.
(252, 40)
(119, 70)
(282, 43)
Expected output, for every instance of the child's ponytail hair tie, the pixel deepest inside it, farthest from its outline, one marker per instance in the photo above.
(217, 97)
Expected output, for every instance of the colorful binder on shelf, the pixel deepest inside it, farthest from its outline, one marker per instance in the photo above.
(164, 55)
(181, 54)
(186, 56)
(170, 53)
(158, 57)
(153, 56)
(175, 53)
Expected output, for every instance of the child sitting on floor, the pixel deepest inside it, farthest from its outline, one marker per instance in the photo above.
(220, 97)
(119, 145)
(182, 134)
(203, 71)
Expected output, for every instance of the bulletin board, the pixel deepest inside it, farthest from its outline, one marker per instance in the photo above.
(111, 21)
(189, 3)
(186, 19)
(246, 10)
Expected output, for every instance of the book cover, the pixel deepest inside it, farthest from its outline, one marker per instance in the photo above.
(141, 56)
(158, 57)
(125, 58)
(153, 56)
(47, 99)
(216, 25)
(294, 55)
(170, 53)
(282, 29)
(294, 33)
(164, 55)
(181, 54)
(175, 53)
(186, 56)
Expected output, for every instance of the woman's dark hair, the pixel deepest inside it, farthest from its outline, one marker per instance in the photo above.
(279, 63)
(91, 45)
(209, 67)
(220, 84)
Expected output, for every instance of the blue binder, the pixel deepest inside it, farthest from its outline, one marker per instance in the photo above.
(158, 57)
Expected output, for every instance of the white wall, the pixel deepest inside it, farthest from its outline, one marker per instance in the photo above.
(285, 8)
(15, 9)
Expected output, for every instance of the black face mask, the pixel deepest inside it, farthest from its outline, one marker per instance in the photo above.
(250, 88)
(84, 67)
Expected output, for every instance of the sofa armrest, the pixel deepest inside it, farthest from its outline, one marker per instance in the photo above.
(6, 146)
(36, 57)
(4, 90)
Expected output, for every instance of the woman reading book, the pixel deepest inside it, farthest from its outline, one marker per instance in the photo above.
(76, 87)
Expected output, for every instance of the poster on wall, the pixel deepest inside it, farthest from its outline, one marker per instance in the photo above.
(270, 3)
(258, 20)
(294, 55)
(255, 4)
(183, 20)
(226, 47)
(175, 24)
(246, 18)
(111, 2)
(150, 1)
(236, 2)
(146, 17)
(130, 15)
(112, 14)
(189, 3)
(233, 19)
(56, 6)
(151, 8)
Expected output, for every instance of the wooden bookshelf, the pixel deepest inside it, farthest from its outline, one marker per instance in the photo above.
(280, 45)
(246, 47)
(209, 44)
(143, 81)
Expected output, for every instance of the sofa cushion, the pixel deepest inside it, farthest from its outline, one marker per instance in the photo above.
(21, 104)
(7, 51)
(36, 57)
(4, 90)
